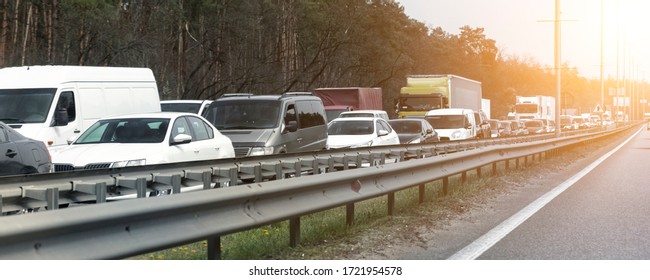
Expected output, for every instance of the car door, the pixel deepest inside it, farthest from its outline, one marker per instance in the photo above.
(204, 140)
(203, 146)
(391, 138)
(10, 161)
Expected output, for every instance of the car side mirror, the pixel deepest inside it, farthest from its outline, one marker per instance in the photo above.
(181, 139)
(382, 132)
(71, 140)
(429, 131)
(61, 118)
(292, 126)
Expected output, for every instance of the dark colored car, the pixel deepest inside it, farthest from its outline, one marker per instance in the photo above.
(412, 131)
(22, 155)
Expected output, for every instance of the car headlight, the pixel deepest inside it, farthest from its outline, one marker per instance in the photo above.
(260, 151)
(456, 134)
(133, 162)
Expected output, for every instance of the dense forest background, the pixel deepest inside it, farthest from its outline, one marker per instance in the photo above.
(201, 49)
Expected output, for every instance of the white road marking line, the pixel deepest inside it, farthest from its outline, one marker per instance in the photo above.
(485, 242)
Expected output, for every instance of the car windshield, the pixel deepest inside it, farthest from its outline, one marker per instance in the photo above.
(131, 130)
(446, 121)
(25, 105)
(420, 103)
(244, 114)
(403, 127)
(181, 107)
(359, 127)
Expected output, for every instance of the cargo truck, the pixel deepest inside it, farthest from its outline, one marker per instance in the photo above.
(338, 100)
(533, 107)
(429, 92)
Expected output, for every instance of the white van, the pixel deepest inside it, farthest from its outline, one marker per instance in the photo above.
(453, 124)
(56, 103)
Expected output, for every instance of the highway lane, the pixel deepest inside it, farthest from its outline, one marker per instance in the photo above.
(604, 215)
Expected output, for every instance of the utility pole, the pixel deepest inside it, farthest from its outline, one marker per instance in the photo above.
(558, 68)
(602, 81)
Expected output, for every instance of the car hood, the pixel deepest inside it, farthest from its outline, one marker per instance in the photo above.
(342, 141)
(241, 137)
(82, 154)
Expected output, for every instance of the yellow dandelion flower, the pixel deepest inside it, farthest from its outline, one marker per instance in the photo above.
(266, 232)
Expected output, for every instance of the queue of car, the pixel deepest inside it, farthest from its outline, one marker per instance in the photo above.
(243, 124)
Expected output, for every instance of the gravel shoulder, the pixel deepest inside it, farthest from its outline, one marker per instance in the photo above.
(441, 226)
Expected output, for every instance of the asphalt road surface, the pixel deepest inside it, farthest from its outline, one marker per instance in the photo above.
(603, 215)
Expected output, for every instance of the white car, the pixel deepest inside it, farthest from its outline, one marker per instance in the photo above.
(355, 132)
(144, 139)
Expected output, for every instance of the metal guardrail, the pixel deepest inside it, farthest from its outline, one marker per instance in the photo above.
(20, 194)
(131, 227)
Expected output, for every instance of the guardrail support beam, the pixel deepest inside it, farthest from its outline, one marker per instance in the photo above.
(98, 189)
(139, 184)
(50, 195)
(173, 180)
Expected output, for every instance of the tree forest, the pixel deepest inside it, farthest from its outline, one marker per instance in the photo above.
(201, 49)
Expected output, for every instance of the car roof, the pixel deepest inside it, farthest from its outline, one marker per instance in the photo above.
(285, 96)
(365, 111)
(184, 101)
(448, 111)
(407, 120)
(170, 115)
(355, 119)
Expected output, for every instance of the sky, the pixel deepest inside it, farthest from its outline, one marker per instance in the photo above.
(525, 28)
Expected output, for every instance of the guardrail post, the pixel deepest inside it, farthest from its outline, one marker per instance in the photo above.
(421, 192)
(445, 186)
(206, 178)
(349, 214)
(517, 163)
(391, 203)
(463, 177)
(294, 231)
(214, 248)
(494, 168)
(507, 164)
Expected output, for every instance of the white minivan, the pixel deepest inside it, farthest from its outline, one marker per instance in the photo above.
(55, 104)
(453, 124)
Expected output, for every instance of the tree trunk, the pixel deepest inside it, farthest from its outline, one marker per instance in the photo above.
(27, 26)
